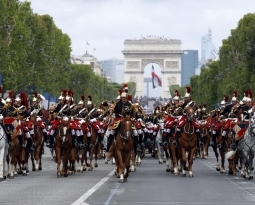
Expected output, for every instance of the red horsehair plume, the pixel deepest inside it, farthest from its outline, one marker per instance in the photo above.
(246, 93)
(120, 91)
(69, 93)
(235, 94)
(63, 93)
(249, 94)
(225, 98)
(10, 94)
(188, 89)
(82, 97)
(177, 93)
(125, 86)
(24, 101)
(35, 94)
(90, 98)
(129, 97)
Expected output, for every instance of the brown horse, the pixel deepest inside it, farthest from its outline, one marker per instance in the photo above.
(205, 139)
(124, 147)
(92, 149)
(188, 141)
(36, 155)
(63, 146)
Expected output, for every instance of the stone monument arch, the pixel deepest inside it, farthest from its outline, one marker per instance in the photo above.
(162, 51)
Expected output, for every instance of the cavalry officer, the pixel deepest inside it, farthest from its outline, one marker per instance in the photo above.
(55, 122)
(37, 110)
(122, 104)
(225, 114)
(181, 122)
(9, 111)
(170, 119)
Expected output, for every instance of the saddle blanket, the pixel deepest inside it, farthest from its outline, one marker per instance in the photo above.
(238, 130)
(11, 125)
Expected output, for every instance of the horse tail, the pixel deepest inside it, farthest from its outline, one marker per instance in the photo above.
(230, 154)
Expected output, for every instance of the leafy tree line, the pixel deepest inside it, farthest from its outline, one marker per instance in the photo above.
(35, 54)
(234, 71)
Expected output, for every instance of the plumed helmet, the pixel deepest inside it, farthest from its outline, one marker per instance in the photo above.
(69, 95)
(234, 98)
(224, 101)
(123, 95)
(129, 98)
(120, 92)
(9, 98)
(89, 100)
(82, 99)
(199, 108)
(204, 107)
(188, 92)
(245, 94)
(249, 96)
(125, 87)
(176, 95)
(63, 95)
(24, 100)
(18, 98)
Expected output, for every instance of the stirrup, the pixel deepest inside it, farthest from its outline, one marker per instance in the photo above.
(174, 143)
(164, 143)
(76, 144)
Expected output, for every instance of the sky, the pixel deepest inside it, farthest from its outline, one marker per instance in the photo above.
(105, 24)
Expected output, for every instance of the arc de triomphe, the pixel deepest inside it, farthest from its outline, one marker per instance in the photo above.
(165, 52)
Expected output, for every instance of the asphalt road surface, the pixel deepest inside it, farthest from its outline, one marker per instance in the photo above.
(150, 184)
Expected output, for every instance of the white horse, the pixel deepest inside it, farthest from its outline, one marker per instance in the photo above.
(3, 151)
(246, 150)
(158, 142)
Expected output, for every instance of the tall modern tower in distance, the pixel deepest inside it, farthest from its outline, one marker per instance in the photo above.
(208, 50)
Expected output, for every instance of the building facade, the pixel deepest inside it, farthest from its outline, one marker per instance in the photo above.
(109, 66)
(119, 73)
(189, 63)
(88, 59)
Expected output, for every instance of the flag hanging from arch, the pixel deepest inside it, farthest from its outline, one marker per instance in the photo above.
(156, 82)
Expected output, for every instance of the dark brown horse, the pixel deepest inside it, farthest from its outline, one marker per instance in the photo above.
(188, 142)
(124, 147)
(63, 146)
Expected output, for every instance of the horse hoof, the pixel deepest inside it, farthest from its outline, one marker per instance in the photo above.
(96, 165)
(24, 174)
(16, 175)
(172, 171)
(27, 171)
(177, 173)
(217, 169)
(90, 169)
(11, 177)
(167, 170)
(164, 161)
(160, 162)
(121, 181)
(65, 175)
(230, 173)
(33, 169)
(84, 169)
(191, 175)
(106, 162)
(58, 175)
(20, 172)
(183, 175)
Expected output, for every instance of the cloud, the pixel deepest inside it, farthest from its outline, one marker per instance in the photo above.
(106, 24)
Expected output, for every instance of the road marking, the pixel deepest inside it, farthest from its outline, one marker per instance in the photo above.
(86, 195)
(111, 195)
(236, 184)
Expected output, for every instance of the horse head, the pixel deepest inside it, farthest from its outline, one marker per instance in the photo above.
(63, 130)
(190, 113)
(126, 127)
(236, 111)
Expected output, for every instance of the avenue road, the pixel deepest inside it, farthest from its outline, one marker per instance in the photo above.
(150, 184)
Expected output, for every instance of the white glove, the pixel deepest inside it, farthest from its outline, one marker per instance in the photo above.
(38, 119)
(1, 117)
(93, 120)
(139, 120)
(81, 121)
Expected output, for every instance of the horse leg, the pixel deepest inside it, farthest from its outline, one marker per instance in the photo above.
(2, 162)
(133, 156)
(127, 165)
(33, 161)
(97, 149)
(58, 160)
(222, 169)
(183, 161)
(121, 165)
(167, 160)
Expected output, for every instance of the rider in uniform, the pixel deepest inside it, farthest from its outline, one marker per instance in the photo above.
(225, 114)
(181, 122)
(122, 104)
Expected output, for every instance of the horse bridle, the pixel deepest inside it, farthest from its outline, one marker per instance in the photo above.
(63, 136)
(125, 134)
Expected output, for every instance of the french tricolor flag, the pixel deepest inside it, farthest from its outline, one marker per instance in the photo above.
(156, 82)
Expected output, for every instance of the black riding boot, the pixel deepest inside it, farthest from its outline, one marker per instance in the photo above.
(75, 142)
(109, 142)
(9, 140)
(137, 145)
(213, 141)
(166, 139)
(81, 140)
(234, 145)
(176, 137)
(45, 136)
(199, 143)
(51, 141)
(20, 140)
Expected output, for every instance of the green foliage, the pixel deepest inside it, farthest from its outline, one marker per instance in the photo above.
(233, 72)
(35, 54)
